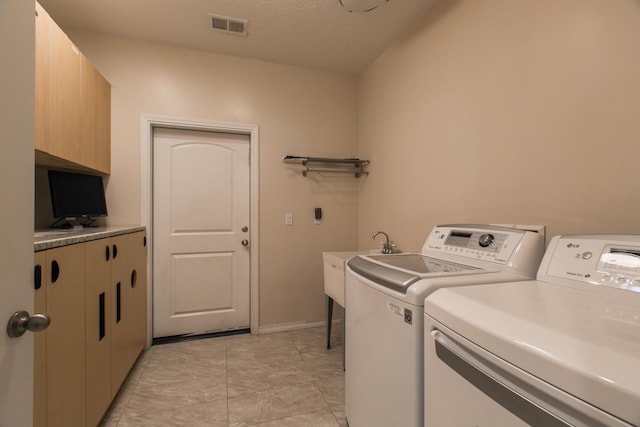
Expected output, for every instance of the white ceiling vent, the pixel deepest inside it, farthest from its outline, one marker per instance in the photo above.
(229, 25)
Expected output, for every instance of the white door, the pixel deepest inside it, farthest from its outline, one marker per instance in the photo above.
(201, 236)
(16, 197)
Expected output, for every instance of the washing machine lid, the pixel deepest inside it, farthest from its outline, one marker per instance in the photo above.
(400, 271)
(583, 341)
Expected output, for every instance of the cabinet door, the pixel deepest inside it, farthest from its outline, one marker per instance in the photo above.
(62, 136)
(119, 361)
(137, 244)
(98, 332)
(40, 344)
(95, 119)
(65, 337)
(42, 77)
(130, 326)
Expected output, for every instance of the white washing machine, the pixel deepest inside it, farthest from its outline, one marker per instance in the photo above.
(384, 322)
(562, 350)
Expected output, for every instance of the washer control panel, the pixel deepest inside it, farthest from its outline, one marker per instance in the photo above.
(495, 244)
(612, 261)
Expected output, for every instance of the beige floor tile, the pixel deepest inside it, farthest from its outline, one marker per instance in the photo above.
(322, 418)
(260, 344)
(324, 363)
(332, 389)
(251, 380)
(241, 361)
(315, 339)
(212, 413)
(173, 366)
(276, 404)
(281, 379)
(175, 395)
(340, 414)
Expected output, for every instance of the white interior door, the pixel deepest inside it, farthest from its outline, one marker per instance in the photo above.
(16, 195)
(201, 236)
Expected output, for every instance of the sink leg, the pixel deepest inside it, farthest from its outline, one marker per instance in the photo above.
(329, 320)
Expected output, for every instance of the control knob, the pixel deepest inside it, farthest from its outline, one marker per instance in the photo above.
(621, 280)
(486, 240)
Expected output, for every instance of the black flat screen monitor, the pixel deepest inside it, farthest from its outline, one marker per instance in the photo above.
(76, 195)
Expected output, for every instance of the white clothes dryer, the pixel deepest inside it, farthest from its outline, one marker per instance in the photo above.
(562, 350)
(384, 322)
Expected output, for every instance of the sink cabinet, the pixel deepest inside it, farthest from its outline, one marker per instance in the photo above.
(72, 104)
(98, 310)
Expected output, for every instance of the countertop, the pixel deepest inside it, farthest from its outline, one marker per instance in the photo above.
(54, 238)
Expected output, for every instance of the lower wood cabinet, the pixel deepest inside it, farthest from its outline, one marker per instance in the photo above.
(95, 293)
(61, 371)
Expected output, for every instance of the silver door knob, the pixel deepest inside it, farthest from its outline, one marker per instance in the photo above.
(245, 242)
(20, 322)
(245, 229)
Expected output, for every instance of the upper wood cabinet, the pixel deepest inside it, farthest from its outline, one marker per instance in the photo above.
(72, 104)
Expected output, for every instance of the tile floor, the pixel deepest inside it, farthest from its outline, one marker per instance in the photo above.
(280, 379)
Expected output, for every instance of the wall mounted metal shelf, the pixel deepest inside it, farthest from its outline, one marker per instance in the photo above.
(330, 165)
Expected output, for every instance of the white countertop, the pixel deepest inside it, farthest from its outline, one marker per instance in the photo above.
(54, 238)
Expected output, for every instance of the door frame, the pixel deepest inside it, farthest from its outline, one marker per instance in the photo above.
(148, 122)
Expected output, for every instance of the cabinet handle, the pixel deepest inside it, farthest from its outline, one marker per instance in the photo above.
(55, 271)
(106, 252)
(118, 303)
(37, 277)
(115, 251)
(134, 278)
(101, 316)
(144, 241)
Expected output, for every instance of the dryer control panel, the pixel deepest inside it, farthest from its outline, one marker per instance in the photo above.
(612, 260)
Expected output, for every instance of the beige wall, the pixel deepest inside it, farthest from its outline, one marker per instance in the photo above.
(488, 111)
(505, 111)
(298, 111)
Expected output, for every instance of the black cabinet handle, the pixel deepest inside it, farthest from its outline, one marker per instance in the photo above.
(118, 303)
(106, 252)
(144, 241)
(101, 317)
(115, 251)
(134, 278)
(37, 277)
(55, 271)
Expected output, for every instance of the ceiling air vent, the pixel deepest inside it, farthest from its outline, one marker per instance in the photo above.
(229, 25)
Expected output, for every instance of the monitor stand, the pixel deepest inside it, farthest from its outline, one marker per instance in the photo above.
(70, 223)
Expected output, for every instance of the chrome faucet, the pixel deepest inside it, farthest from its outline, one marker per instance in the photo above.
(387, 247)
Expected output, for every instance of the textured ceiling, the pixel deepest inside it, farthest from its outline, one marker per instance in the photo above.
(319, 34)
